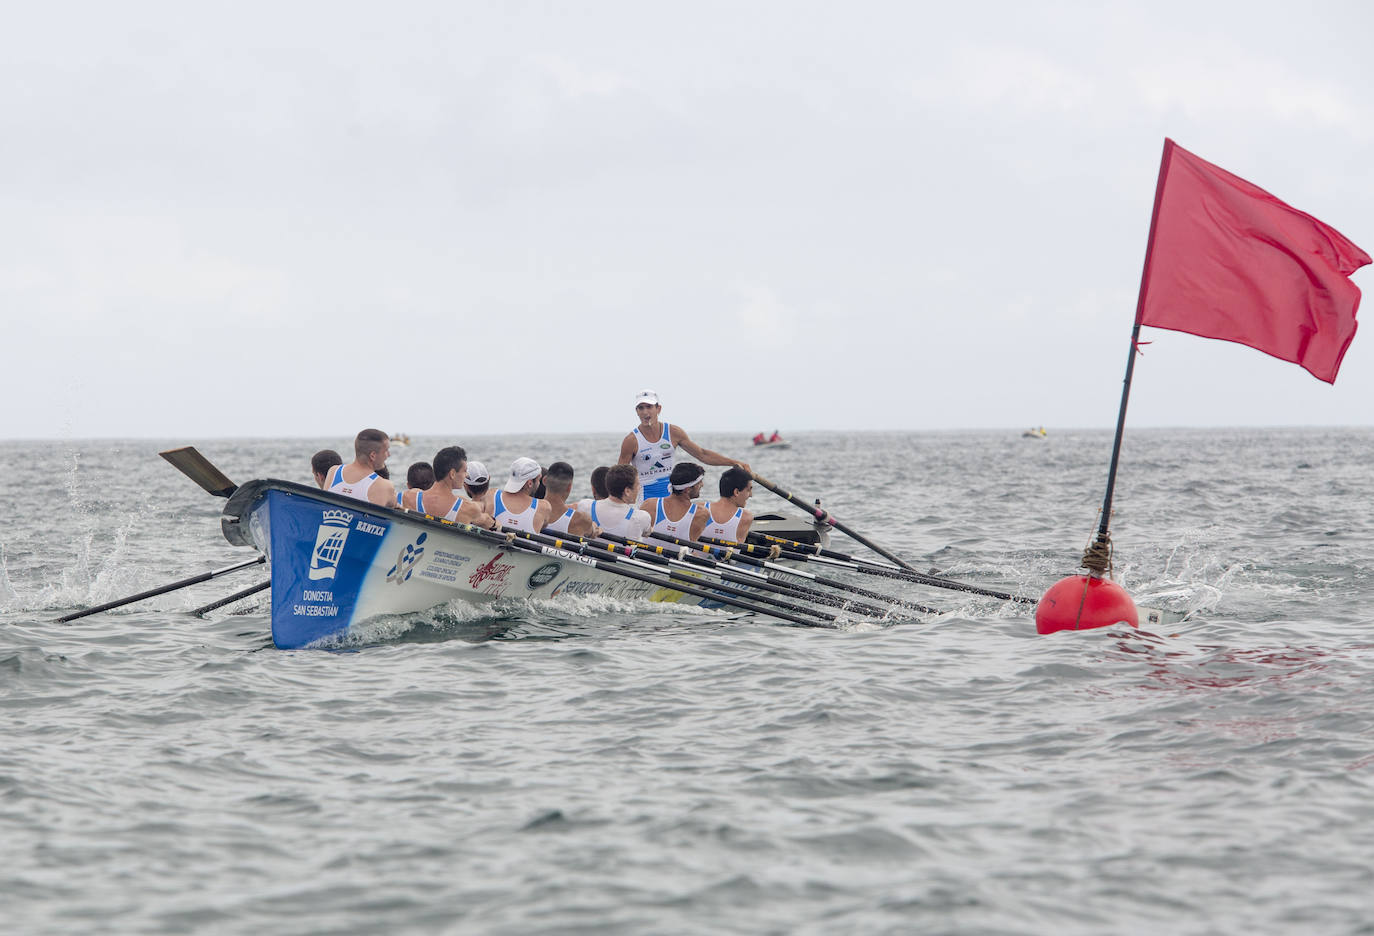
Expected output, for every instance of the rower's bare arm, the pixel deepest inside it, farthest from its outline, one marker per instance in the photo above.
(472, 512)
(742, 531)
(704, 455)
(581, 525)
(382, 493)
(627, 450)
(698, 523)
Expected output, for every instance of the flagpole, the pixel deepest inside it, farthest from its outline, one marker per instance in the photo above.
(1097, 558)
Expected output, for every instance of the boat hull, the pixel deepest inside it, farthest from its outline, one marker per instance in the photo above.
(337, 562)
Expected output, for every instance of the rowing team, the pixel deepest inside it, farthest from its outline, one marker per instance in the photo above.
(535, 500)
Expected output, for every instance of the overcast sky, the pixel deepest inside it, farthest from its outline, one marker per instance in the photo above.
(299, 219)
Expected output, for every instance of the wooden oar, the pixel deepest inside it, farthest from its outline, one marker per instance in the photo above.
(805, 551)
(610, 565)
(199, 469)
(153, 592)
(230, 599)
(825, 517)
(738, 552)
(662, 555)
(650, 560)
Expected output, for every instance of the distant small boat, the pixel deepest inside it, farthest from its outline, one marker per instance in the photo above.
(1039, 433)
(400, 438)
(780, 444)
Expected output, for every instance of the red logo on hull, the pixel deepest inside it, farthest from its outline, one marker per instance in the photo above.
(494, 571)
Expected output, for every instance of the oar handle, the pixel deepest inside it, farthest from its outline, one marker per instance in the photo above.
(153, 592)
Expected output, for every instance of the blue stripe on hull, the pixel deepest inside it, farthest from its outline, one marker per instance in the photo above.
(320, 558)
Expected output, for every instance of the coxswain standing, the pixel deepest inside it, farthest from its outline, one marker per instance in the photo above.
(443, 499)
(726, 518)
(651, 445)
(515, 506)
(676, 516)
(361, 479)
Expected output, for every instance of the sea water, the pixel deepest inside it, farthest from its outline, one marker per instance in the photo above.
(599, 767)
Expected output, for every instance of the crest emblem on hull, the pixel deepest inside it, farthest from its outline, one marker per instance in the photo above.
(329, 543)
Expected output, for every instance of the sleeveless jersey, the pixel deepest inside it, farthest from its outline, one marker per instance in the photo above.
(516, 521)
(618, 519)
(451, 516)
(655, 462)
(356, 490)
(729, 530)
(561, 524)
(681, 528)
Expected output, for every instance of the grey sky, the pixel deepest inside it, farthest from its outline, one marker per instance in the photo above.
(449, 218)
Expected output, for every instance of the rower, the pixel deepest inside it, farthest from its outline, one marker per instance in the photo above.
(616, 513)
(361, 479)
(726, 518)
(598, 479)
(676, 516)
(515, 506)
(477, 481)
(569, 521)
(419, 477)
(443, 499)
(651, 445)
(321, 462)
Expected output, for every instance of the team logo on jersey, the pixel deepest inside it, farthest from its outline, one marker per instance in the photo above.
(664, 445)
(406, 559)
(329, 543)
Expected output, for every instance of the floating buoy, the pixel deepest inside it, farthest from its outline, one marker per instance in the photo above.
(1083, 602)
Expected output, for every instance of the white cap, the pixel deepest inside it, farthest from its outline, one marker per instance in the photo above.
(646, 396)
(522, 470)
(477, 473)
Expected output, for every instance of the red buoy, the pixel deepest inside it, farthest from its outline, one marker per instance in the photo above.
(1082, 602)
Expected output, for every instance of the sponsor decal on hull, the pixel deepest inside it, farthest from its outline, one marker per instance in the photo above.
(490, 577)
(443, 566)
(405, 560)
(542, 576)
(573, 587)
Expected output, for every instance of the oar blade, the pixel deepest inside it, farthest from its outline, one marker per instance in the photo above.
(200, 470)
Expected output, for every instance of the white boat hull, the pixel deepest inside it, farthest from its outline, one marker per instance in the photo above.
(337, 562)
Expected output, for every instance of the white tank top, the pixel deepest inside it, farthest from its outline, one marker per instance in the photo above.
(451, 516)
(681, 528)
(655, 462)
(561, 524)
(729, 530)
(620, 519)
(357, 490)
(516, 521)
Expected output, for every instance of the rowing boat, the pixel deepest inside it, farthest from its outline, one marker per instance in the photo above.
(780, 444)
(337, 562)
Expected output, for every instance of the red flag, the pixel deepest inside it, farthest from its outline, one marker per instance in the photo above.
(1228, 260)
